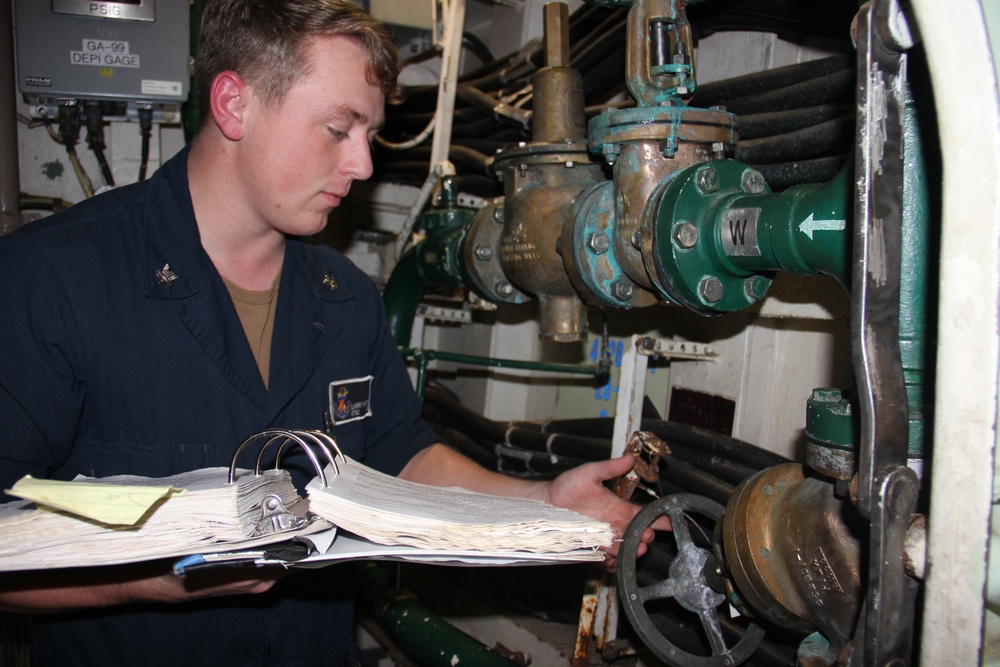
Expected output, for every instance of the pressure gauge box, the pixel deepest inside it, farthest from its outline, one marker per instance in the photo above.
(132, 52)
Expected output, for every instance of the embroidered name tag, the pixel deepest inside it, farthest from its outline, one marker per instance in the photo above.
(351, 400)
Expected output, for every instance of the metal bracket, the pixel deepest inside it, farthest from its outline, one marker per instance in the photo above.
(887, 489)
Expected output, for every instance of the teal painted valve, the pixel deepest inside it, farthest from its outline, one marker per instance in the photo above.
(720, 233)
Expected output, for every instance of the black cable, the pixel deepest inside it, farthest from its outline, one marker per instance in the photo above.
(146, 131)
(478, 47)
(95, 139)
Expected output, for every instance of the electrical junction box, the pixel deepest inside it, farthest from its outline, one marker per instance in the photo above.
(127, 54)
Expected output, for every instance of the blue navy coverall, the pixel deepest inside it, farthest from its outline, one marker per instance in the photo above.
(121, 353)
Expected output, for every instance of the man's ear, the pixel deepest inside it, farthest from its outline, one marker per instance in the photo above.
(228, 103)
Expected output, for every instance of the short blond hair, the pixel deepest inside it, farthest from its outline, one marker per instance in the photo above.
(264, 41)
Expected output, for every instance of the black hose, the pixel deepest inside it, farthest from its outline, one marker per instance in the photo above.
(527, 449)
(605, 76)
(749, 85)
(477, 47)
(467, 446)
(535, 462)
(483, 127)
(695, 480)
(608, 38)
(835, 136)
(829, 20)
(753, 126)
(677, 436)
(726, 470)
(581, 448)
(576, 436)
(784, 175)
(829, 89)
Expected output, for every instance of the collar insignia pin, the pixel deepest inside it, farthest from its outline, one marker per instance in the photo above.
(330, 282)
(165, 275)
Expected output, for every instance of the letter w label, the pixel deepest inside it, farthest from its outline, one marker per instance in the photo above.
(738, 231)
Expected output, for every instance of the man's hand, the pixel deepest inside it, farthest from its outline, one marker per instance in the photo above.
(582, 490)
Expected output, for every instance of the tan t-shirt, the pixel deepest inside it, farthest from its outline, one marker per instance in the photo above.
(256, 313)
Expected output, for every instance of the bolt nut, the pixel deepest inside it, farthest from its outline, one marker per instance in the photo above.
(611, 152)
(598, 242)
(622, 290)
(754, 288)
(710, 289)
(826, 395)
(483, 252)
(753, 182)
(504, 288)
(685, 235)
(708, 181)
(498, 215)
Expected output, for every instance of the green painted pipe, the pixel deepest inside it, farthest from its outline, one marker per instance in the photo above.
(436, 260)
(423, 357)
(401, 295)
(914, 284)
(426, 638)
(719, 233)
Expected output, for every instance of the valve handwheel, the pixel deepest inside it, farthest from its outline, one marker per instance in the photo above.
(686, 585)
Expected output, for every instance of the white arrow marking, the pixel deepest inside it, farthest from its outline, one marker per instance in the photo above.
(810, 225)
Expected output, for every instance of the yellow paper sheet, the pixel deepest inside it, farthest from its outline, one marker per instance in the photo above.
(115, 504)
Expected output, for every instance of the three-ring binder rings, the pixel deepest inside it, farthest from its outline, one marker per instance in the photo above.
(213, 517)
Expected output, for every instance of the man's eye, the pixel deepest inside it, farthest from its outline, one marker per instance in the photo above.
(337, 134)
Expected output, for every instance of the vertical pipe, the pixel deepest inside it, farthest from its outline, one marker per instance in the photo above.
(10, 177)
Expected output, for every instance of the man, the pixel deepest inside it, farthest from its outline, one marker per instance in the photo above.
(150, 330)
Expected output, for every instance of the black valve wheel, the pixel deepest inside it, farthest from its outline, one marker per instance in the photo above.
(686, 585)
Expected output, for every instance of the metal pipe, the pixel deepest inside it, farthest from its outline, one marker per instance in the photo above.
(10, 177)
(422, 357)
(423, 635)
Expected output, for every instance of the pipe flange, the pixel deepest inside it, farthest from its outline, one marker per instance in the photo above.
(695, 233)
(588, 251)
(482, 262)
(668, 125)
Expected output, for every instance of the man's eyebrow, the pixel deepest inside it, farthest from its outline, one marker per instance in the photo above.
(347, 112)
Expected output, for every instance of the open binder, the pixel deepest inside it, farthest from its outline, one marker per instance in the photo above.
(214, 516)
